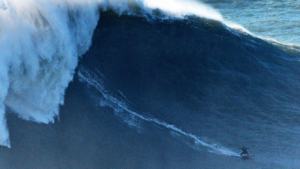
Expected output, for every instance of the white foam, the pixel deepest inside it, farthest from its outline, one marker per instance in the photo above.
(40, 42)
(180, 8)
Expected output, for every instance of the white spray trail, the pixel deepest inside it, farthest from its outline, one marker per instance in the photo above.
(93, 80)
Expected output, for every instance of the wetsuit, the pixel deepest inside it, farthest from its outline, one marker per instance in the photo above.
(244, 149)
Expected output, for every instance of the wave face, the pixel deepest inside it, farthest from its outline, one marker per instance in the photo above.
(200, 81)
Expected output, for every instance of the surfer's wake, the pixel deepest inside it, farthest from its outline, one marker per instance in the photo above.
(92, 79)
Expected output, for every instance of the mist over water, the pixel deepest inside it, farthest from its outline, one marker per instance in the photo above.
(40, 44)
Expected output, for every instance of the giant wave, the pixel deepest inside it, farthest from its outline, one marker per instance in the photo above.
(177, 63)
(41, 42)
(161, 66)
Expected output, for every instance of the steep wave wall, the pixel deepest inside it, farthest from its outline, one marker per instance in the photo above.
(41, 42)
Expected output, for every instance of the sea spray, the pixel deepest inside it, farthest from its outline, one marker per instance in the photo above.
(40, 44)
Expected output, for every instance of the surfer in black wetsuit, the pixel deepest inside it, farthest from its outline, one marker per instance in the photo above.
(244, 149)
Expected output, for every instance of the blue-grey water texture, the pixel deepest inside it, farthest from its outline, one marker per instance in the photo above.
(271, 19)
(171, 94)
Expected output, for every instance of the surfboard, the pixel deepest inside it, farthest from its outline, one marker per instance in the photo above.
(247, 156)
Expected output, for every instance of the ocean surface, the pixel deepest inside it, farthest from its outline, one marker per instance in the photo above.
(149, 84)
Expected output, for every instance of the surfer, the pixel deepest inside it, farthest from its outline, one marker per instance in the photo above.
(244, 149)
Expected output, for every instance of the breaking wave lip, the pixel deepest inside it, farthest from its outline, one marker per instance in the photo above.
(40, 43)
(92, 79)
(178, 9)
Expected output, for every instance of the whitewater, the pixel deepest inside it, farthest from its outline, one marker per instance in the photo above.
(40, 44)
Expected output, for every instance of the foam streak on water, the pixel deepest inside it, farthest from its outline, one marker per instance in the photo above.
(118, 105)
